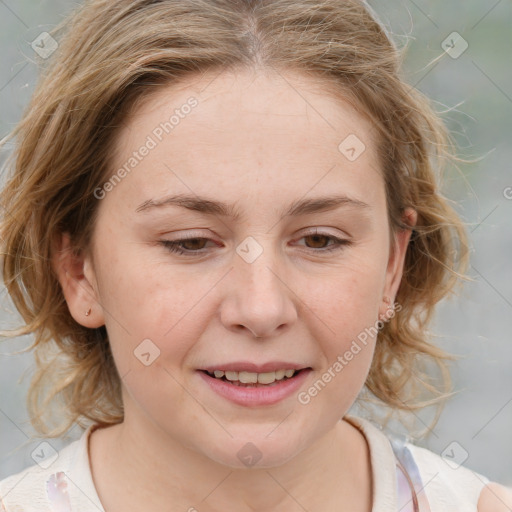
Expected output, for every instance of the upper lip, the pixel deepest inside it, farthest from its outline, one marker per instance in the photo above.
(246, 366)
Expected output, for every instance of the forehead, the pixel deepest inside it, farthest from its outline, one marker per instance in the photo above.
(246, 132)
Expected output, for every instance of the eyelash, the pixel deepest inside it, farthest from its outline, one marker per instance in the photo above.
(174, 245)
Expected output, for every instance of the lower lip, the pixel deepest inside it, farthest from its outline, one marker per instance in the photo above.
(253, 396)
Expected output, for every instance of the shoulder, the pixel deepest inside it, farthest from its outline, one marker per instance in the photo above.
(495, 498)
(47, 485)
(449, 484)
(25, 491)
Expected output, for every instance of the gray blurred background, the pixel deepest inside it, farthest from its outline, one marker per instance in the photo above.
(474, 86)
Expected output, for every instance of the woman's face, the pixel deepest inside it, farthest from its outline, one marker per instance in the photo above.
(247, 233)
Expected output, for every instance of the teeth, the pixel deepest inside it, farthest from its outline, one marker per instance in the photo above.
(254, 378)
(266, 378)
(280, 374)
(248, 377)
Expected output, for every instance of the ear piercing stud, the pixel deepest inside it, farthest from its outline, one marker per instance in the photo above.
(390, 308)
(88, 312)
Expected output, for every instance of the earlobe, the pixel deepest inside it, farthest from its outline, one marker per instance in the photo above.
(78, 288)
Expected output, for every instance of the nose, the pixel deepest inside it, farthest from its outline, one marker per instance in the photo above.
(258, 299)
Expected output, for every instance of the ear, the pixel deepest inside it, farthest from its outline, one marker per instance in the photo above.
(397, 255)
(78, 282)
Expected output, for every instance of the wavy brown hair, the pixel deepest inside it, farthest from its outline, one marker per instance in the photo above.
(113, 53)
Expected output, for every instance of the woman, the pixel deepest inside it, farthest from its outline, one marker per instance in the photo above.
(223, 223)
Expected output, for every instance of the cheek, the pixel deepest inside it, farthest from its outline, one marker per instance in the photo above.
(346, 300)
(346, 307)
(151, 301)
(346, 337)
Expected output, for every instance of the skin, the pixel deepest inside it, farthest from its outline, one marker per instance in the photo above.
(261, 141)
(495, 498)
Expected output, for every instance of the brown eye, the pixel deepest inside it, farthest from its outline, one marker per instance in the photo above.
(323, 243)
(194, 244)
(187, 246)
(318, 241)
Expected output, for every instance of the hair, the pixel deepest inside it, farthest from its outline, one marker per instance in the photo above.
(113, 54)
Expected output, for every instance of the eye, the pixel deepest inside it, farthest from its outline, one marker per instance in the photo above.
(324, 242)
(188, 246)
(316, 242)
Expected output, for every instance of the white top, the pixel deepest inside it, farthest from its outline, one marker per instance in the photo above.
(444, 486)
(64, 482)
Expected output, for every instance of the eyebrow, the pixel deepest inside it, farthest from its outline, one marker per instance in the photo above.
(211, 207)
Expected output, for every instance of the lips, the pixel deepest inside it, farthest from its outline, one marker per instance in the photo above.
(254, 394)
(251, 384)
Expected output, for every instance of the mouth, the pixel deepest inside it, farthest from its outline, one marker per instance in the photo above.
(251, 386)
(254, 379)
